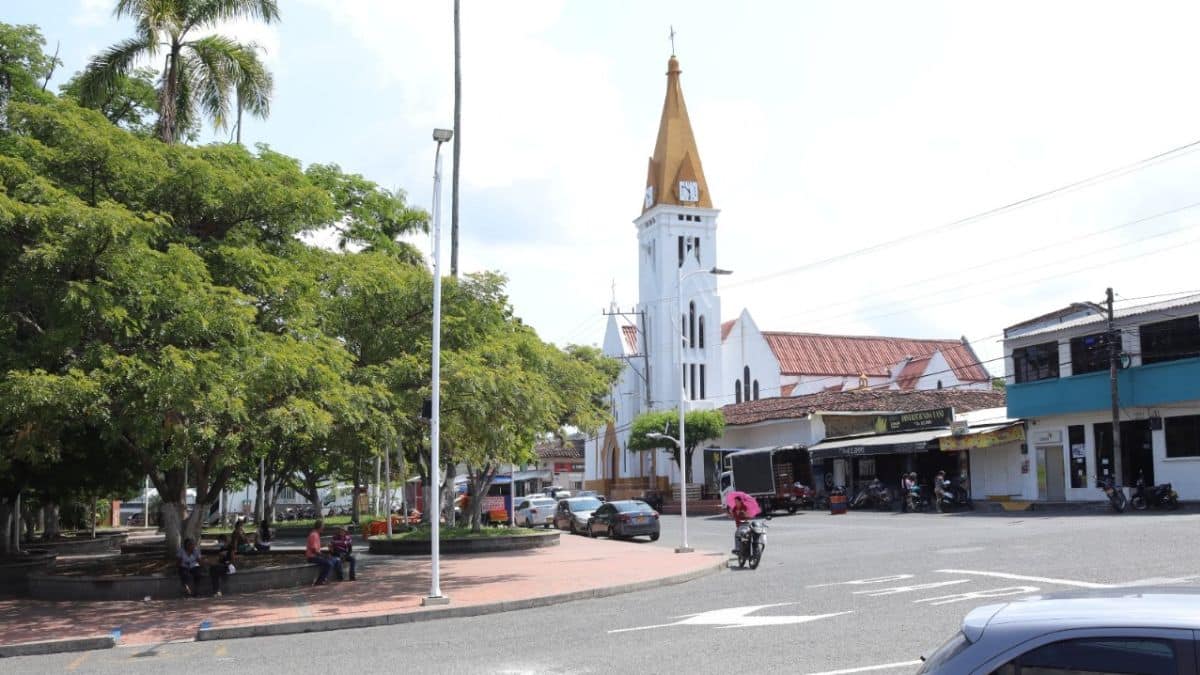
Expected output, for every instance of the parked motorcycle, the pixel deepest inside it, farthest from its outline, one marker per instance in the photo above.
(803, 497)
(752, 540)
(1116, 495)
(875, 494)
(1161, 496)
(916, 500)
(954, 496)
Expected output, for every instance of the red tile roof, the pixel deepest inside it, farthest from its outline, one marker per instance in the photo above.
(861, 400)
(629, 332)
(556, 449)
(785, 390)
(853, 355)
(911, 373)
(725, 328)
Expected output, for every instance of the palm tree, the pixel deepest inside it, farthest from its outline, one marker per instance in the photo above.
(200, 74)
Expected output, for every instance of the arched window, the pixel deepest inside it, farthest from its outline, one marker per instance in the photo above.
(737, 391)
(746, 381)
(701, 343)
(691, 324)
(939, 384)
(682, 328)
(756, 390)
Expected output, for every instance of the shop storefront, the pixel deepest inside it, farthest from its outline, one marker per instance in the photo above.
(995, 459)
(854, 461)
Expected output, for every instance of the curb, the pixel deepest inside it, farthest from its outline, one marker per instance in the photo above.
(321, 625)
(58, 646)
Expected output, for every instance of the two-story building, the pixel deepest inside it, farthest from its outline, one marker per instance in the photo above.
(1057, 369)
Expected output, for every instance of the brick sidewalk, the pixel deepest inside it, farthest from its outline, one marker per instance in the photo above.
(384, 586)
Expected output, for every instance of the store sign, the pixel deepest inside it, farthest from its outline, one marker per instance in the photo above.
(567, 467)
(914, 421)
(985, 440)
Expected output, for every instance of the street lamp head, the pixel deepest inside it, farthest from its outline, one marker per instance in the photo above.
(442, 135)
(720, 272)
(655, 435)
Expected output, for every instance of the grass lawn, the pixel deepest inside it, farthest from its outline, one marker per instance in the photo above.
(422, 533)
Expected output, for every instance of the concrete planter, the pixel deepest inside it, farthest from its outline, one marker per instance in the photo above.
(16, 570)
(85, 545)
(384, 546)
(50, 586)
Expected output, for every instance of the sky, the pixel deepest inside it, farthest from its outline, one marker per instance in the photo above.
(845, 144)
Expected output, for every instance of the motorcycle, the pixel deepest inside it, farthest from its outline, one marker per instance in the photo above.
(875, 495)
(915, 500)
(1158, 496)
(954, 496)
(803, 497)
(752, 540)
(1116, 496)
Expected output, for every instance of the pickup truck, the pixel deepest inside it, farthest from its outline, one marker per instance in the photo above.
(769, 475)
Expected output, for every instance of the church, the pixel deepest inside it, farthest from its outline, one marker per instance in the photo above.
(678, 321)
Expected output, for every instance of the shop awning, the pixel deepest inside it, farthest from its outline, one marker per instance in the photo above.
(888, 444)
(984, 437)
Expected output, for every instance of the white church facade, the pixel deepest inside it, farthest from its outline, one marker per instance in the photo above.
(678, 319)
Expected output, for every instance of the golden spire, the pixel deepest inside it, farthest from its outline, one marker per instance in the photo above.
(676, 157)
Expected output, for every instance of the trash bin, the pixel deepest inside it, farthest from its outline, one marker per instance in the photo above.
(837, 501)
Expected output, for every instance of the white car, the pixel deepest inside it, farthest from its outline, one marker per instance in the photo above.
(536, 511)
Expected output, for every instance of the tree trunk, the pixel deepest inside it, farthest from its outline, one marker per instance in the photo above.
(354, 514)
(170, 517)
(168, 99)
(448, 494)
(93, 518)
(50, 513)
(259, 503)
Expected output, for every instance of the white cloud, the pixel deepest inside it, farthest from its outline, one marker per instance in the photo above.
(823, 129)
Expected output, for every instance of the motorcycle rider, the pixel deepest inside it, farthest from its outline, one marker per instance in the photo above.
(905, 487)
(939, 489)
(740, 514)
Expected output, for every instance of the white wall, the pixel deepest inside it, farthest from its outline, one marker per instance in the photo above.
(1182, 472)
(764, 434)
(996, 472)
(746, 346)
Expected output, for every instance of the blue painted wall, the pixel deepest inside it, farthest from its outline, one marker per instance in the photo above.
(1143, 386)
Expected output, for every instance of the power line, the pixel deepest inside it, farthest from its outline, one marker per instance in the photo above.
(1175, 152)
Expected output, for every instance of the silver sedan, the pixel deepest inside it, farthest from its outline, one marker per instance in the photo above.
(1148, 631)
(573, 514)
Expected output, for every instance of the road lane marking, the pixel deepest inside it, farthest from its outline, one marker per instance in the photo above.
(221, 651)
(1022, 577)
(867, 669)
(862, 582)
(736, 617)
(876, 592)
(979, 595)
(1160, 581)
(77, 662)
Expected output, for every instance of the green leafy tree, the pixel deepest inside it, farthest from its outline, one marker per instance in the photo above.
(24, 66)
(701, 426)
(130, 103)
(208, 74)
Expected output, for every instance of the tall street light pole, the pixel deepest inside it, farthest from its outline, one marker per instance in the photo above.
(681, 442)
(435, 419)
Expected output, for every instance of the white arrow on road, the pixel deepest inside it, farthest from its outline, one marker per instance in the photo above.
(737, 617)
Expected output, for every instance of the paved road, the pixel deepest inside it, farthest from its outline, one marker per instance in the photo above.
(833, 593)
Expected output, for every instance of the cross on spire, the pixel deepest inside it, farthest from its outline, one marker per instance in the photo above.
(672, 40)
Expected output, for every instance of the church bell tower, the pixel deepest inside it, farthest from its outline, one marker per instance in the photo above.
(677, 240)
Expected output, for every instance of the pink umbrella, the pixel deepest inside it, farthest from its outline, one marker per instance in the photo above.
(734, 496)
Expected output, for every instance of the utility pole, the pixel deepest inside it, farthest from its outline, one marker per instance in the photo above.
(457, 143)
(1114, 357)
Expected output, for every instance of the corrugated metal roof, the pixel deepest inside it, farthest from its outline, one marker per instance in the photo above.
(853, 355)
(1096, 318)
